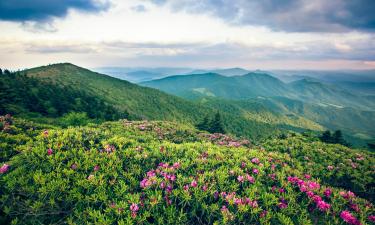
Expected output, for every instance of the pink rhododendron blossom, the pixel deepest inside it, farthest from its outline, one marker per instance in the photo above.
(327, 192)
(90, 177)
(250, 178)
(307, 176)
(49, 152)
(372, 218)
(240, 179)
(255, 160)
(194, 183)
(349, 218)
(4, 168)
(330, 167)
(96, 168)
(255, 171)
(323, 206)
(186, 187)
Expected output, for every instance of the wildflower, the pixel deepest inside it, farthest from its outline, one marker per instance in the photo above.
(4, 168)
(323, 206)
(255, 171)
(49, 151)
(194, 183)
(162, 185)
(354, 165)
(327, 192)
(186, 187)
(255, 160)
(134, 209)
(282, 190)
(145, 183)
(176, 165)
(254, 204)
(240, 179)
(330, 167)
(73, 166)
(231, 172)
(282, 205)
(310, 194)
(96, 168)
(307, 176)
(250, 178)
(263, 213)
(151, 173)
(204, 188)
(45, 133)
(243, 165)
(316, 198)
(355, 207)
(371, 218)
(90, 177)
(349, 218)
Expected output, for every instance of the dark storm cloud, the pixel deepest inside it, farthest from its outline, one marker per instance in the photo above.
(287, 15)
(43, 10)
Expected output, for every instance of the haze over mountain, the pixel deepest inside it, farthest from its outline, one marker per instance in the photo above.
(330, 105)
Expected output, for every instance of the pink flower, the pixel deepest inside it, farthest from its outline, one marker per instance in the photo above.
(263, 213)
(186, 187)
(307, 176)
(330, 167)
(255, 160)
(255, 171)
(282, 205)
(45, 133)
(310, 194)
(194, 183)
(327, 192)
(323, 206)
(243, 165)
(176, 165)
(134, 207)
(49, 151)
(316, 198)
(145, 183)
(96, 168)
(355, 207)
(4, 168)
(90, 177)
(151, 173)
(73, 166)
(371, 218)
(240, 179)
(250, 178)
(162, 185)
(204, 188)
(349, 218)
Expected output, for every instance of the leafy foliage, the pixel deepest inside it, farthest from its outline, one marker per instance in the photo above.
(167, 173)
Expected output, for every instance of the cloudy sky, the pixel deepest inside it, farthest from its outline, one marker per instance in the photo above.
(254, 34)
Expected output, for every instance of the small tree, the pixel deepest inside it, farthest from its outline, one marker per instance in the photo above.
(326, 136)
(217, 124)
(204, 125)
(337, 137)
(1, 72)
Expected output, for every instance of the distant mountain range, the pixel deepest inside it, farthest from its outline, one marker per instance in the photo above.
(327, 104)
(255, 105)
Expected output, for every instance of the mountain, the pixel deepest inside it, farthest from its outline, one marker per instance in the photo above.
(302, 103)
(258, 84)
(55, 90)
(216, 85)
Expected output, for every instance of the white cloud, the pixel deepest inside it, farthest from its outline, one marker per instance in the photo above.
(158, 37)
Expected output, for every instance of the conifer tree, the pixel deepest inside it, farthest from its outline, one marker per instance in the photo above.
(217, 124)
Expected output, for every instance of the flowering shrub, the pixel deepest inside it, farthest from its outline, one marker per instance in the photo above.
(335, 165)
(136, 173)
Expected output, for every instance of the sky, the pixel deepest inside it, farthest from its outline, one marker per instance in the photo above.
(253, 34)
